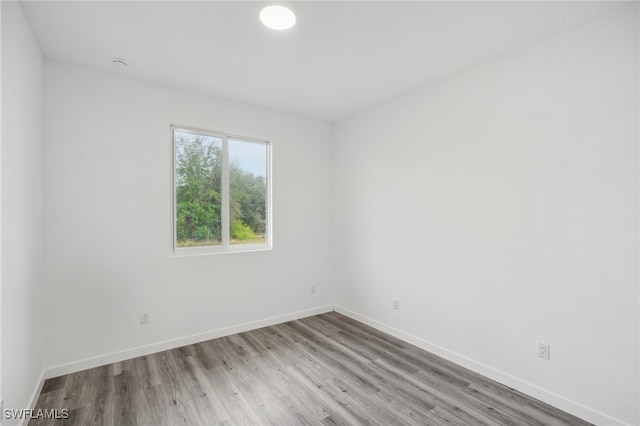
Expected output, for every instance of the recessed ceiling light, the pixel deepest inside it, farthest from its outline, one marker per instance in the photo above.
(120, 63)
(278, 17)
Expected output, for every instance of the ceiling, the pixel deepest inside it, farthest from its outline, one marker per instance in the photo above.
(339, 59)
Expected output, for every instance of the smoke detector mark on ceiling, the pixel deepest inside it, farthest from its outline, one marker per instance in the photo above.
(120, 64)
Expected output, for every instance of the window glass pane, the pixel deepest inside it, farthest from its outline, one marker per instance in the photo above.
(248, 192)
(198, 179)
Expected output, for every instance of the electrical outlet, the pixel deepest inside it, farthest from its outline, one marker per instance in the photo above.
(396, 304)
(312, 289)
(144, 318)
(544, 350)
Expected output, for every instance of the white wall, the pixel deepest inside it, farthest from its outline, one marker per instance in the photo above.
(22, 209)
(1, 395)
(108, 218)
(501, 207)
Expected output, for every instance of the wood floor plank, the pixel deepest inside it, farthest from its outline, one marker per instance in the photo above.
(519, 411)
(407, 409)
(224, 388)
(341, 397)
(446, 418)
(314, 393)
(153, 406)
(323, 370)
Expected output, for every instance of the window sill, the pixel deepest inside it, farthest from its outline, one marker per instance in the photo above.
(202, 251)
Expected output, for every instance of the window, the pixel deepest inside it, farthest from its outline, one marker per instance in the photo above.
(221, 192)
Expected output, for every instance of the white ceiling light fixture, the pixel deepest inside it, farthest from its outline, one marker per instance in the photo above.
(120, 64)
(278, 17)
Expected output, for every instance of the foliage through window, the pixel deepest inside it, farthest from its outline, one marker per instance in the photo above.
(221, 191)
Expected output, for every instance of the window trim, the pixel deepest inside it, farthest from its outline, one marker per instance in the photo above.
(225, 247)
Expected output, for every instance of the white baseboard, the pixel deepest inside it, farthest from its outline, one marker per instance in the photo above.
(98, 361)
(551, 398)
(33, 399)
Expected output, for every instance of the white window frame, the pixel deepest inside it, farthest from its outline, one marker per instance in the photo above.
(225, 247)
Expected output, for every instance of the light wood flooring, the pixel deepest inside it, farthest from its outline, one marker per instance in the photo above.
(322, 370)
